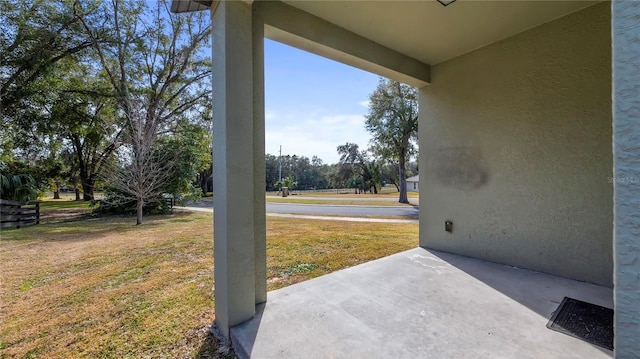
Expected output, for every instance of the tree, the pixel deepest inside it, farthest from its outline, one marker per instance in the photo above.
(307, 173)
(205, 175)
(347, 172)
(189, 147)
(142, 171)
(85, 115)
(68, 129)
(357, 169)
(393, 121)
(52, 103)
(34, 36)
(157, 74)
(289, 182)
(371, 175)
(204, 148)
(319, 173)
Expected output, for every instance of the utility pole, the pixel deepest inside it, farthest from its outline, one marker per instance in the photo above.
(280, 169)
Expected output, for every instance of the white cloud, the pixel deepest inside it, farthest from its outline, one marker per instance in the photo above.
(365, 103)
(314, 134)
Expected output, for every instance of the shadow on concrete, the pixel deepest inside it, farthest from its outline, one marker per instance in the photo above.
(524, 284)
(247, 332)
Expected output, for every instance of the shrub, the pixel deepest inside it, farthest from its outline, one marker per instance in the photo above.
(115, 202)
(17, 187)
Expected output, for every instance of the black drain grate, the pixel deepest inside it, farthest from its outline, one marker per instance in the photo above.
(589, 322)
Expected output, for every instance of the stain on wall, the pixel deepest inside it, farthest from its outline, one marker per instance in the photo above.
(459, 167)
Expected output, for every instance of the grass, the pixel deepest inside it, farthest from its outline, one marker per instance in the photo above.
(388, 191)
(411, 218)
(64, 204)
(63, 209)
(105, 288)
(298, 250)
(342, 201)
(385, 194)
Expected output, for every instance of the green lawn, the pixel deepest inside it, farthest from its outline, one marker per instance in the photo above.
(53, 204)
(388, 191)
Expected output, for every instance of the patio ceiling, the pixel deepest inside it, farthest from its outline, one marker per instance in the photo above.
(432, 33)
(423, 30)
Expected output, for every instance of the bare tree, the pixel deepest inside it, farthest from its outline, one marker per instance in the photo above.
(155, 63)
(142, 171)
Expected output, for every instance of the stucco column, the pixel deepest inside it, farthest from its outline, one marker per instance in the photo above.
(259, 166)
(422, 163)
(625, 17)
(238, 167)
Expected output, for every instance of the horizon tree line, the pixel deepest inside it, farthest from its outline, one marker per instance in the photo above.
(313, 174)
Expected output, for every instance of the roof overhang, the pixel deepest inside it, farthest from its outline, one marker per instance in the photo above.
(179, 6)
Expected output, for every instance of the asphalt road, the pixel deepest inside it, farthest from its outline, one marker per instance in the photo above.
(343, 210)
(411, 211)
(359, 199)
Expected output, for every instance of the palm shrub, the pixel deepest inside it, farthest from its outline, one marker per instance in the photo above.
(17, 187)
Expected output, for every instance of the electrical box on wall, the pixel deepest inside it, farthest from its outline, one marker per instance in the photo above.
(448, 226)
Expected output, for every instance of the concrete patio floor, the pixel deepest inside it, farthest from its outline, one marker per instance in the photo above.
(419, 304)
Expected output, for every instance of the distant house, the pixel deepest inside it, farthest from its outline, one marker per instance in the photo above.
(412, 184)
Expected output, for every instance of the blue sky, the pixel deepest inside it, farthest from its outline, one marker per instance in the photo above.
(313, 104)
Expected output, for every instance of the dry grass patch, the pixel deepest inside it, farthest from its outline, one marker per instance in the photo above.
(105, 288)
(56, 210)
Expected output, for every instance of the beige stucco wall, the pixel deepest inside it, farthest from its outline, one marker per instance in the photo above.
(515, 149)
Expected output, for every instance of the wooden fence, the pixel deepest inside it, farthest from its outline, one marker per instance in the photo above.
(17, 214)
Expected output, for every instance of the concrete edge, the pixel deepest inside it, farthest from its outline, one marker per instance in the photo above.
(321, 218)
(342, 205)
